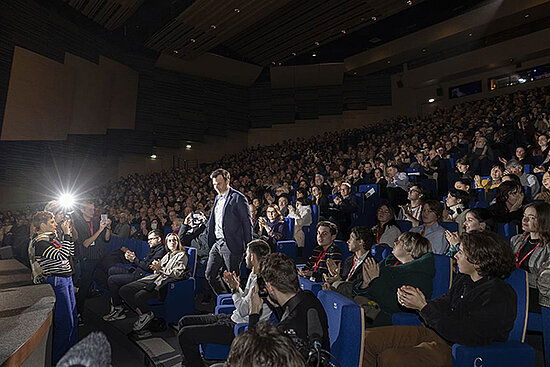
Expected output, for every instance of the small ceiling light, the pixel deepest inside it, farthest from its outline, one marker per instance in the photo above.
(294, 54)
(237, 10)
(355, 73)
(527, 16)
(343, 31)
(316, 43)
(188, 146)
(431, 100)
(272, 62)
(409, 2)
(470, 34)
(389, 61)
(374, 19)
(314, 54)
(192, 40)
(279, 64)
(213, 26)
(424, 50)
(153, 156)
(534, 70)
(176, 51)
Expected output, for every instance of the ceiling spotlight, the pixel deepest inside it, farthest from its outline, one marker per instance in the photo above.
(343, 31)
(409, 2)
(424, 50)
(272, 62)
(470, 34)
(237, 10)
(188, 146)
(213, 26)
(294, 54)
(279, 64)
(314, 54)
(431, 100)
(374, 19)
(316, 43)
(153, 156)
(389, 61)
(192, 40)
(527, 16)
(176, 51)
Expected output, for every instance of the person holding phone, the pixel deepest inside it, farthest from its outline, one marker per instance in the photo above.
(91, 233)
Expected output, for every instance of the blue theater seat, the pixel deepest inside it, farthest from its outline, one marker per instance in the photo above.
(308, 285)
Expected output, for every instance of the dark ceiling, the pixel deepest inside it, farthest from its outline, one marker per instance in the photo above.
(266, 32)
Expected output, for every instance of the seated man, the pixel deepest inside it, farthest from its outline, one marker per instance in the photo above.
(316, 266)
(435, 233)
(413, 210)
(219, 328)
(526, 179)
(344, 206)
(193, 233)
(299, 312)
(479, 309)
(398, 186)
(120, 276)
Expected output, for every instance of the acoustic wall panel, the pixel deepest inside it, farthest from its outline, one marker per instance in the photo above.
(39, 98)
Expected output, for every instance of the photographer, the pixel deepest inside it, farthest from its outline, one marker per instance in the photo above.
(219, 328)
(279, 287)
(193, 233)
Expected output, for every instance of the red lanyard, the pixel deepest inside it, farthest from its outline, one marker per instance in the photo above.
(92, 226)
(423, 230)
(377, 234)
(319, 258)
(518, 262)
(352, 271)
(397, 263)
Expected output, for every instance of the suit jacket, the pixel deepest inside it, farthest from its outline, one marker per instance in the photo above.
(237, 222)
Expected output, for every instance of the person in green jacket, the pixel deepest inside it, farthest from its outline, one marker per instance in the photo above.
(411, 262)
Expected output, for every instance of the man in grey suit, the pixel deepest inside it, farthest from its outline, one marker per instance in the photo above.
(229, 230)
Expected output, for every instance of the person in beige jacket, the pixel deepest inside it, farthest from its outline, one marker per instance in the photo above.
(170, 268)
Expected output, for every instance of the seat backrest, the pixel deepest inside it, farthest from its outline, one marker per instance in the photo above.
(192, 260)
(450, 226)
(518, 280)
(289, 228)
(345, 327)
(507, 230)
(443, 278)
(343, 246)
(404, 225)
(380, 252)
(309, 285)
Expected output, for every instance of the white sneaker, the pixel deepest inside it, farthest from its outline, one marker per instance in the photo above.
(143, 321)
(117, 313)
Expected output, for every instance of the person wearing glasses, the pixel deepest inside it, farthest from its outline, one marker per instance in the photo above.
(271, 229)
(120, 276)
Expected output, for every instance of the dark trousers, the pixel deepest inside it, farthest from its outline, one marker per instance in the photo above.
(405, 346)
(65, 325)
(136, 295)
(220, 256)
(202, 329)
(87, 268)
(118, 277)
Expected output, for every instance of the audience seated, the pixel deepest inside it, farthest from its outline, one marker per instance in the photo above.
(456, 205)
(272, 228)
(479, 309)
(412, 211)
(386, 229)
(478, 219)
(532, 248)
(544, 193)
(119, 276)
(526, 179)
(170, 268)
(316, 266)
(302, 218)
(509, 199)
(344, 206)
(219, 328)
(430, 228)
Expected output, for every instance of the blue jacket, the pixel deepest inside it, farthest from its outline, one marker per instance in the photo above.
(237, 222)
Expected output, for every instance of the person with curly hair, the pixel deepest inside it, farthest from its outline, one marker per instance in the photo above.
(480, 308)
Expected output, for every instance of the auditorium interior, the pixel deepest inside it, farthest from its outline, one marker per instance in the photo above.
(266, 183)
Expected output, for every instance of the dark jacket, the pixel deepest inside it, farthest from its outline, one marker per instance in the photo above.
(237, 222)
(473, 313)
(418, 273)
(293, 315)
(154, 253)
(333, 252)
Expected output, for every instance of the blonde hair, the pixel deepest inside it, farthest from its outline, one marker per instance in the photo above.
(415, 244)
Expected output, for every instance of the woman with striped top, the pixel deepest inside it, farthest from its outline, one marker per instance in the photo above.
(49, 257)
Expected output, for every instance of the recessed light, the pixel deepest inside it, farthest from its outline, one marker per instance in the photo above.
(316, 43)
(153, 156)
(431, 100)
(470, 34)
(192, 40)
(188, 146)
(409, 2)
(176, 51)
(314, 54)
(424, 50)
(373, 18)
(389, 61)
(294, 54)
(213, 26)
(237, 10)
(527, 16)
(343, 31)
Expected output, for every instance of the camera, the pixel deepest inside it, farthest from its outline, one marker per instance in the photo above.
(196, 219)
(262, 289)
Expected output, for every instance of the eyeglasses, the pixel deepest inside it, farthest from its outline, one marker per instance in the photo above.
(152, 239)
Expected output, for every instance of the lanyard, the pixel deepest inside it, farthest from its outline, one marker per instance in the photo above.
(377, 234)
(423, 230)
(518, 261)
(352, 270)
(397, 263)
(92, 226)
(318, 261)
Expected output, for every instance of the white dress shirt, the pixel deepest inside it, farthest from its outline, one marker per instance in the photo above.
(218, 215)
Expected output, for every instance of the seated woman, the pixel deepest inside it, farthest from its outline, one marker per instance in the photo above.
(509, 199)
(494, 181)
(431, 229)
(544, 193)
(321, 200)
(381, 182)
(411, 262)
(302, 218)
(170, 268)
(532, 248)
(456, 205)
(271, 229)
(478, 219)
(386, 229)
(479, 309)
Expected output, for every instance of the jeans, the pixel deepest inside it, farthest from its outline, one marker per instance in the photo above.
(219, 256)
(65, 325)
(201, 329)
(87, 268)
